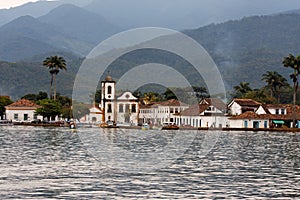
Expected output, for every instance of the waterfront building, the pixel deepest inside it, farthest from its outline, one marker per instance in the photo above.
(209, 113)
(123, 109)
(22, 111)
(239, 106)
(160, 113)
(250, 119)
(94, 116)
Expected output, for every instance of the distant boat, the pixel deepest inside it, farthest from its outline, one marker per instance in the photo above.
(72, 125)
(145, 126)
(170, 127)
(109, 124)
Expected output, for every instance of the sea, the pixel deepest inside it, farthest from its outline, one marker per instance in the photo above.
(96, 163)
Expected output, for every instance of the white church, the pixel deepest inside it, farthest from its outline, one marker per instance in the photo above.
(123, 109)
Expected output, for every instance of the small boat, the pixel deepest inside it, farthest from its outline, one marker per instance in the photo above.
(170, 127)
(145, 126)
(109, 124)
(72, 125)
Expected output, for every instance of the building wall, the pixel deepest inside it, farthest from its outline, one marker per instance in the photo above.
(235, 109)
(249, 123)
(278, 111)
(127, 112)
(10, 115)
(260, 110)
(202, 121)
(95, 116)
(160, 114)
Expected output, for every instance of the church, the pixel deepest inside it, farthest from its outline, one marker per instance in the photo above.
(123, 109)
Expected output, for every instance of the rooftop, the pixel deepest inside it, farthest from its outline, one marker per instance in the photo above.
(23, 103)
(247, 102)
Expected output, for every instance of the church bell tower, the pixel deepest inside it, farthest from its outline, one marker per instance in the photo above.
(108, 89)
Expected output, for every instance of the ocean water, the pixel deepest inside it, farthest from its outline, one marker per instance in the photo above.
(92, 163)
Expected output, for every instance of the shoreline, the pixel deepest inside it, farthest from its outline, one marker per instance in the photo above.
(181, 128)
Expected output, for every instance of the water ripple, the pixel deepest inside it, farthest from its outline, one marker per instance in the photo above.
(53, 163)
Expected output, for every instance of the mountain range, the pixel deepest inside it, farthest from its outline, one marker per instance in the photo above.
(243, 49)
(65, 28)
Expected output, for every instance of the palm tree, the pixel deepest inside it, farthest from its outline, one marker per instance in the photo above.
(242, 89)
(294, 63)
(274, 81)
(54, 64)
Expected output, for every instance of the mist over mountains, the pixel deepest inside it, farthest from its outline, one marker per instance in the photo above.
(243, 48)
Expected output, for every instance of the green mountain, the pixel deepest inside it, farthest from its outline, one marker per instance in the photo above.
(66, 28)
(242, 49)
(80, 23)
(30, 76)
(245, 49)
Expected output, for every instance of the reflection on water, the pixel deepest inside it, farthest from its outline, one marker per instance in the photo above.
(43, 163)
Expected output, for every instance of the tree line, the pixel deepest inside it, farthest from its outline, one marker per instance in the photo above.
(277, 90)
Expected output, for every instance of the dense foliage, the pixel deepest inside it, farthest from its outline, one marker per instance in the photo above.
(49, 109)
(4, 101)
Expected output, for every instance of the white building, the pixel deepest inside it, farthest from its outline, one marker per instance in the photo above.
(127, 109)
(94, 117)
(159, 113)
(239, 106)
(123, 109)
(250, 119)
(22, 111)
(209, 113)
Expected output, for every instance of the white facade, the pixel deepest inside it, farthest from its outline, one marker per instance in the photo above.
(127, 109)
(235, 108)
(95, 116)
(121, 110)
(239, 106)
(21, 115)
(22, 111)
(204, 115)
(161, 112)
(108, 99)
(203, 121)
(249, 123)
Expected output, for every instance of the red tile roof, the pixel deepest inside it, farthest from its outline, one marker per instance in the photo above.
(23, 103)
(247, 102)
(194, 110)
(251, 115)
(218, 103)
(288, 116)
(171, 102)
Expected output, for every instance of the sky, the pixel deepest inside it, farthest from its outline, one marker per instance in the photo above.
(13, 3)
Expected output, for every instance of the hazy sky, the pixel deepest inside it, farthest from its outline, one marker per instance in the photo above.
(13, 3)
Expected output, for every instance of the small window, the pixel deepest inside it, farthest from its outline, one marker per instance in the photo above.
(277, 111)
(127, 108)
(133, 108)
(121, 108)
(16, 116)
(109, 110)
(109, 90)
(282, 111)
